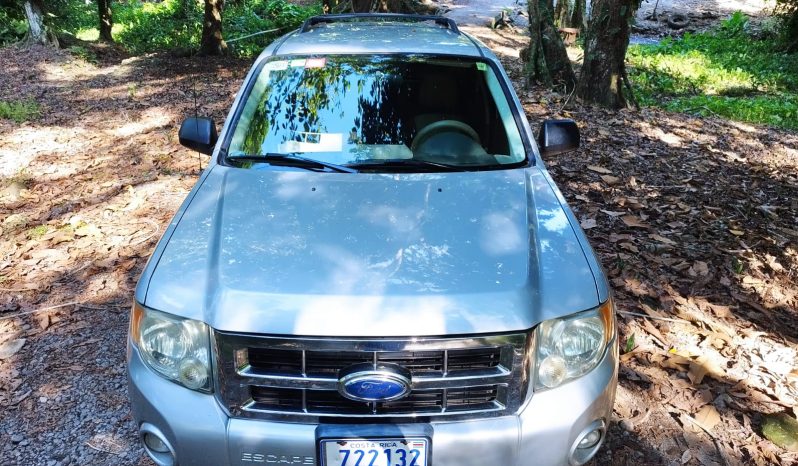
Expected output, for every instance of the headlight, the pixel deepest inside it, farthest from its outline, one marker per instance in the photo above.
(572, 346)
(176, 348)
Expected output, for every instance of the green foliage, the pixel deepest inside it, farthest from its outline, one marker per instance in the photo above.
(83, 53)
(781, 429)
(177, 24)
(630, 343)
(781, 111)
(12, 27)
(19, 110)
(37, 232)
(262, 15)
(726, 72)
(146, 27)
(734, 26)
(787, 10)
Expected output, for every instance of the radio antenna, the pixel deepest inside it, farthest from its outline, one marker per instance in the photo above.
(196, 114)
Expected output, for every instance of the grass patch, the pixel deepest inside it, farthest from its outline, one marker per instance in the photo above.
(725, 72)
(83, 53)
(19, 110)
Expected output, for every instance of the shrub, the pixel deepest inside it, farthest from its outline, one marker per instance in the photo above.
(19, 110)
(277, 16)
(12, 27)
(787, 10)
(146, 27)
(177, 24)
(725, 72)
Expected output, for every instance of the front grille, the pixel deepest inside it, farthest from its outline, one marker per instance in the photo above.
(266, 377)
(326, 402)
(328, 363)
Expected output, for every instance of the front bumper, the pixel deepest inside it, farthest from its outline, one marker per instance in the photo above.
(543, 433)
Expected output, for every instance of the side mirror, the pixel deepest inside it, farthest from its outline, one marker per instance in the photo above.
(558, 136)
(198, 134)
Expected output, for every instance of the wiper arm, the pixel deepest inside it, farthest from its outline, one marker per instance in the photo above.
(406, 163)
(291, 160)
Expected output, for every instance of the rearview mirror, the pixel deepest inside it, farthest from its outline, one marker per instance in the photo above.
(198, 134)
(558, 136)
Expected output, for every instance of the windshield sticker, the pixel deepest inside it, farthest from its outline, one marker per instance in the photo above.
(276, 65)
(316, 62)
(314, 142)
(481, 66)
(297, 62)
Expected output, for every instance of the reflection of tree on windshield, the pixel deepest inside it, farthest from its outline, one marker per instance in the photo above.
(301, 100)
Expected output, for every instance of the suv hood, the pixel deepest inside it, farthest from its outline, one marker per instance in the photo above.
(326, 254)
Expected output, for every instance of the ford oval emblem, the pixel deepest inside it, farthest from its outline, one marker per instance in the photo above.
(365, 382)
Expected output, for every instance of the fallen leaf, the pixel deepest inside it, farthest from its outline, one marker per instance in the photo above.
(701, 367)
(613, 213)
(609, 179)
(662, 239)
(633, 221)
(699, 268)
(588, 223)
(707, 417)
(673, 361)
(597, 169)
(630, 247)
(782, 430)
(10, 348)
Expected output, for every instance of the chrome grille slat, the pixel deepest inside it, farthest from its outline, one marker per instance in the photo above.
(295, 379)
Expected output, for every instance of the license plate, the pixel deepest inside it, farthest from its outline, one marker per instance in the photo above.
(374, 452)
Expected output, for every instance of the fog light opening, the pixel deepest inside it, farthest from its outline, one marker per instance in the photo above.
(156, 446)
(590, 440)
(587, 443)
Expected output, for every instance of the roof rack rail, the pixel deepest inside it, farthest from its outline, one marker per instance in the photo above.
(322, 19)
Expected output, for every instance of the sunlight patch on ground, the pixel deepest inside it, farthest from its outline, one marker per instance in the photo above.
(743, 127)
(660, 135)
(20, 146)
(152, 118)
(500, 45)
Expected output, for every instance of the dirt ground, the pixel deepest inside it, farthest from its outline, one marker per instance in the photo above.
(652, 16)
(694, 220)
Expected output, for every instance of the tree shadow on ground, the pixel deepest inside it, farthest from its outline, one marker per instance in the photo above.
(694, 220)
(101, 177)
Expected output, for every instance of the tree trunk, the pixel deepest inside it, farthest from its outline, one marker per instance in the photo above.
(604, 68)
(38, 31)
(562, 13)
(578, 16)
(212, 41)
(106, 20)
(546, 60)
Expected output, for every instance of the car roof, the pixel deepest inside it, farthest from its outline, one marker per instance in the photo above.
(354, 34)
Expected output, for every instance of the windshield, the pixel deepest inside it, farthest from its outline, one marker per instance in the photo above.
(371, 111)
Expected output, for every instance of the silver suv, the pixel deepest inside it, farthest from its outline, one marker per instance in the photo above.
(375, 269)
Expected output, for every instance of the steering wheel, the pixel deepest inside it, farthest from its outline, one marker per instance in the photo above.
(443, 126)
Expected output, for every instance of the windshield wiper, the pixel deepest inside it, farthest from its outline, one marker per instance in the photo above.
(291, 160)
(406, 163)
